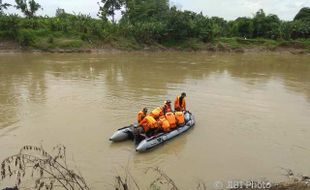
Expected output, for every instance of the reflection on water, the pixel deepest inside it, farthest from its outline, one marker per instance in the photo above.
(252, 111)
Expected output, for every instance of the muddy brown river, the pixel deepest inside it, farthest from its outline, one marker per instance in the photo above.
(252, 112)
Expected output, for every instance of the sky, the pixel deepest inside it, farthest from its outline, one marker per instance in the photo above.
(227, 9)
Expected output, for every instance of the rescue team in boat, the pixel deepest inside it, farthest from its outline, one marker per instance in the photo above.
(162, 119)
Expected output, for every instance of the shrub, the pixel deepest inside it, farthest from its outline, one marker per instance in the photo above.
(26, 37)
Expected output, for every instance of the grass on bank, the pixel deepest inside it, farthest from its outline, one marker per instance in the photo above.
(47, 40)
(236, 43)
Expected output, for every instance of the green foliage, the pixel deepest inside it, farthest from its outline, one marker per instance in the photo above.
(146, 10)
(204, 28)
(231, 42)
(9, 26)
(184, 25)
(192, 44)
(266, 26)
(69, 43)
(109, 7)
(303, 14)
(3, 6)
(150, 22)
(31, 23)
(28, 7)
(243, 27)
(50, 39)
(26, 37)
(300, 29)
(179, 25)
(220, 26)
(148, 32)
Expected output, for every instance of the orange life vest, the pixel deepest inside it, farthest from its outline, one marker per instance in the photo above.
(177, 105)
(164, 124)
(156, 113)
(148, 123)
(140, 116)
(171, 119)
(180, 118)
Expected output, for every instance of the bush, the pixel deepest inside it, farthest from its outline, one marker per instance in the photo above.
(147, 32)
(9, 25)
(26, 37)
(50, 39)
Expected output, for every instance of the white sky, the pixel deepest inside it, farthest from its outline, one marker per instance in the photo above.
(228, 9)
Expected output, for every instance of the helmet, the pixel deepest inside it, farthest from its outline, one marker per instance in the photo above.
(144, 109)
(183, 94)
(167, 102)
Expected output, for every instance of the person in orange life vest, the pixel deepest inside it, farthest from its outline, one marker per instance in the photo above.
(141, 115)
(171, 119)
(157, 112)
(167, 107)
(164, 124)
(179, 103)
(179, 116)
(149, 125)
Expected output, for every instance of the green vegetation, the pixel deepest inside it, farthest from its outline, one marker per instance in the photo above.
(303, 14)
(109, 7)
(153, 24)
(28, 8)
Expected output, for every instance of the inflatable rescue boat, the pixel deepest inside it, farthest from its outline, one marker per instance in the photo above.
(126, 133)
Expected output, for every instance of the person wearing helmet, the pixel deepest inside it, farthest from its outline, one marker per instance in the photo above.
(179, 103)
(141, 115)
(167, 107)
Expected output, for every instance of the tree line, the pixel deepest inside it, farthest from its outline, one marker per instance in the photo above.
(145, 21)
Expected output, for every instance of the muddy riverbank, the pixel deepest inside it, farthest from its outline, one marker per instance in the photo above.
(228, 45)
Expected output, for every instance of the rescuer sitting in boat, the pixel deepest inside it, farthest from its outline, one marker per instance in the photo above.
(167, 107)
(157, 112)
(179, 103)
(158, 126)
(164, 124)
(149, 126)
(180, 118)
(171, 119)
(141, 115)
(161, 119)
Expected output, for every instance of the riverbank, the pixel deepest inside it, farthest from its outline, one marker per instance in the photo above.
(289, 185)
(294, 182)
(238, 45)
(165, 182)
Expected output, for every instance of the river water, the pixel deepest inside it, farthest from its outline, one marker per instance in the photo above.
(252, 112)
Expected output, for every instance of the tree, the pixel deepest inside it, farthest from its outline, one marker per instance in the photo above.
(60, 12)
(299, 29)
(266, 26)
(244, 27)
(203, 28)
(3, 6)
(109, 7)
(28, 7)
(179, 25)
(146, 10)
(303, 14)
(219, 25)
(259, 22)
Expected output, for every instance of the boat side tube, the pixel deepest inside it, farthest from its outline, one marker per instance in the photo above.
(123, 134)
(152, 142)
